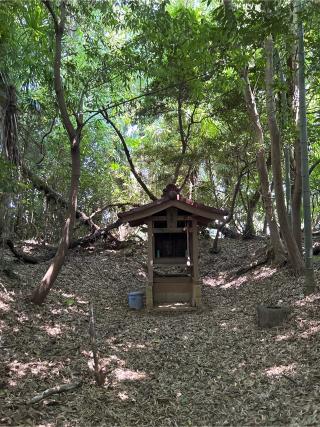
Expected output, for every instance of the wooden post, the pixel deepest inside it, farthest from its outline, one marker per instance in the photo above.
(172, 217)
(149, 287)
(196, 286)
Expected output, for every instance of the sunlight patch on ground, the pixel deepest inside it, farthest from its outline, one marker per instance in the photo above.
(308, 300)
(312, 327)
(311, 331)
(52, 330)
(106, 363)
(222, 280)
(215, 282)
(284, 337)
(264, 272)
(41, 369)
(130, 346)
(129, 375)
(235, 283)
(22, 318)
(4, 306)
(5, 301)
(278, 371)
(123, 395)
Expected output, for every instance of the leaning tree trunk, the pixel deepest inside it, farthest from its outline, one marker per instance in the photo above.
(278, 249)
(294, 256)
(40, 293)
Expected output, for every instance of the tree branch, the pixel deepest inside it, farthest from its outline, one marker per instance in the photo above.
(50, 193)
(184, 137)
(112, 205)
(231, 210)
(186, 177)
(48, 5)
(128, 156)
(312, 167)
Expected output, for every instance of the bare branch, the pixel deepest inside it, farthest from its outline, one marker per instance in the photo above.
(112, 205)
(54, 390)
(128, 156)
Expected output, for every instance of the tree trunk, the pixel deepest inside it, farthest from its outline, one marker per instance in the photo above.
(294, 256)
(231, 211)
(249, 230)
(283, 127)
(297, 195)
(288, 183)
(310, 285)
(279, 252)
(41, 292)
(293, 97)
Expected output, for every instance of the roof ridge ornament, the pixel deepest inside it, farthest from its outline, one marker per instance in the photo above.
(171, 192)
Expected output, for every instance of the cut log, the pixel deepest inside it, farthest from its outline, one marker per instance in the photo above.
(271, 316)
(96, 235)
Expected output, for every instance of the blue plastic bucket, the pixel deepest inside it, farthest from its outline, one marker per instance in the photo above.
(135, 300)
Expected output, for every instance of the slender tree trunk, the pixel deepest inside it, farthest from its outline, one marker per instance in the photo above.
(249, 230)
(279, 252)
(297, 174)
(297, 195)
(310, 285)
(283, 126)
(294, 256)
(231, 211)
(286, 151)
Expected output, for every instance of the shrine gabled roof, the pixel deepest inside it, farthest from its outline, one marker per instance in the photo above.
(172, 198)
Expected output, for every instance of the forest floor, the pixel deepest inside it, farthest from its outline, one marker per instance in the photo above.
(209, 367)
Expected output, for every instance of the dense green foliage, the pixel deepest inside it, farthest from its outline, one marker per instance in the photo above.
(168, 74)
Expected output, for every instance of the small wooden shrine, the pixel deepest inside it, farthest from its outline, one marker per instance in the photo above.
(172, 224)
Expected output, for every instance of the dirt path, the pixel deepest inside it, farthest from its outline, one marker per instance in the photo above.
(211, 367)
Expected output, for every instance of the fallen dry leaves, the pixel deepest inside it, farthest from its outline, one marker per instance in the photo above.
(209, 367)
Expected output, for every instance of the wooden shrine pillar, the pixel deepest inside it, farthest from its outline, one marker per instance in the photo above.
(196, 284)
(149, 287)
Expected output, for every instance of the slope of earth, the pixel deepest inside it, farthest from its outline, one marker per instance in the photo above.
(209, 367)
